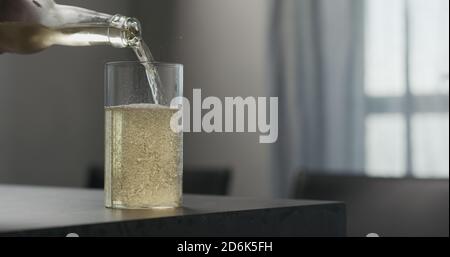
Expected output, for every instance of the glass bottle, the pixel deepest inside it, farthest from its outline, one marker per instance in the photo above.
(38, 26)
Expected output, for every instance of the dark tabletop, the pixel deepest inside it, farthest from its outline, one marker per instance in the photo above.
(45, 211)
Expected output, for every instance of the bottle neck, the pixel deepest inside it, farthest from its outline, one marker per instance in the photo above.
(83, 27)
(120, 32)
(64, 15)
(70, 26)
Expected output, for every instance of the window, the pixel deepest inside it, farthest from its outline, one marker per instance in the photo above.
(407, 88)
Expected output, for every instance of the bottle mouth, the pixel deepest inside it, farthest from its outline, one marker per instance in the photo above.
(130, 29)
(134, 26)
(127, 23)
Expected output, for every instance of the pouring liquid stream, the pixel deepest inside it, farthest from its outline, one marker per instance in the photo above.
(144, 55)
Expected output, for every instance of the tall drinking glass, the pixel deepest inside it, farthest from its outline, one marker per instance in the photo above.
(143, 152)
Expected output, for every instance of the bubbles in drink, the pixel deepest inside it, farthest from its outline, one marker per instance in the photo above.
(143, 157)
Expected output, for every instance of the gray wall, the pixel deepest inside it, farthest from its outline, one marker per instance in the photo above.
(51, 104)
(223, 45)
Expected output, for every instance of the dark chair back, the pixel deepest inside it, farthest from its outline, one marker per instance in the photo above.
(212, 181)
(387, 206)
(206, 181)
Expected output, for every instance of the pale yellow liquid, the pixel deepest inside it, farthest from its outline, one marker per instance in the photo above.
(144, 157)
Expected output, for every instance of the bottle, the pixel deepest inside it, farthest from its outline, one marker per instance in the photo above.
(29, 26)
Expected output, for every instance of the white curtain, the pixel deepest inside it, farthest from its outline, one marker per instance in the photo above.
(317, 47)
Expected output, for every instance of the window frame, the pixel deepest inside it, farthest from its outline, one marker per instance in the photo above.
(407, 104)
